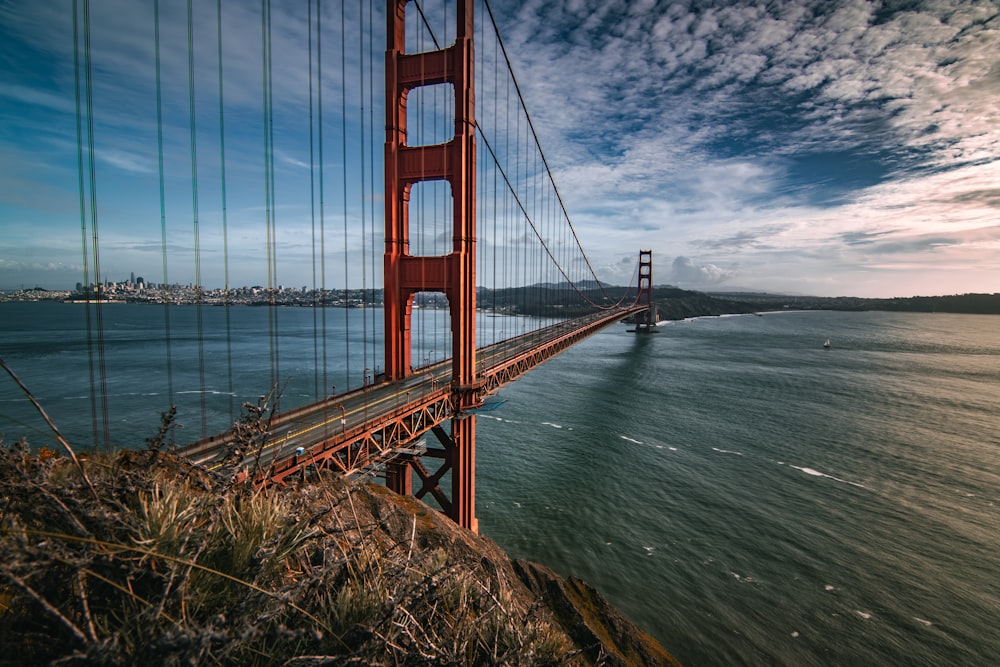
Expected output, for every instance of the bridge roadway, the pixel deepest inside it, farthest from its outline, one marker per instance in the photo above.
(351, 432)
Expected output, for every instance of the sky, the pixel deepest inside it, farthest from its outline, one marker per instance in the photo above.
(823, 148)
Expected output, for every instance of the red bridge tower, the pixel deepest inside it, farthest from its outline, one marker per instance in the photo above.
(646, 320)
(453, 274)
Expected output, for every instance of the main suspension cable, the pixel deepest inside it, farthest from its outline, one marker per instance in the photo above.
(538, 145)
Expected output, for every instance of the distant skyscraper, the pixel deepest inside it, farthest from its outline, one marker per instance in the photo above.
(131, 280)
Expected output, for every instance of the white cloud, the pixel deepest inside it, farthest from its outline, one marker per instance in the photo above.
(698, 120)
(684, 272)
(667, 127)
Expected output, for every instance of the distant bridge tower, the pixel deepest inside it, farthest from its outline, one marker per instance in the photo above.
(453, 274)
(646, 320)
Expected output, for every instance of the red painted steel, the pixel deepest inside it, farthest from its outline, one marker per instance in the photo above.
(381, 423)
(453, 274)
(358, 430)
(645, 320)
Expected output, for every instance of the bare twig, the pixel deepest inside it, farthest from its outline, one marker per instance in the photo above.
(167, 420)
(127, 591)
(496, 601)
(48, 420)
(173, 572)
(413, 536)
(47, 605)
(54, 498)
(82, 581)
(182, 561)
(419, 627)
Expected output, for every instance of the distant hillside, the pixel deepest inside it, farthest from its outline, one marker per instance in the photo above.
(677, 304)
(564, 301)
(980, 304)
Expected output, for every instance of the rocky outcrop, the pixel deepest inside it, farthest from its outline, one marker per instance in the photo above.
(602, 632)
(598, 633)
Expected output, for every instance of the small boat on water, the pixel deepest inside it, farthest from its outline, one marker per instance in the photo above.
(826, 343)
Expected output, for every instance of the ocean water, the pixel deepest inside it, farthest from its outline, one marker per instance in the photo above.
(47, 345)
(208, 369)
(745, 495)
(751, 498)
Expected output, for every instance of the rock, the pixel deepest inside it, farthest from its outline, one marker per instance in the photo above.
(602, 632)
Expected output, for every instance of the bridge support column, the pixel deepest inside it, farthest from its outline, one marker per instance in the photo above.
(453, 274)
(398, 477)
(463, 472)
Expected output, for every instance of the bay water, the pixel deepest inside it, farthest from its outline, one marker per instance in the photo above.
(751, 498)
(745, 495)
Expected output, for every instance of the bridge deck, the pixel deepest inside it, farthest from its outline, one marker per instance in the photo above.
(355, 430)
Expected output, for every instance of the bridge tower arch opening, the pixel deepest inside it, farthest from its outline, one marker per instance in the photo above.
(453, 274)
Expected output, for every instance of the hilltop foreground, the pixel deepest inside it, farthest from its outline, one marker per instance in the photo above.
(141, 558)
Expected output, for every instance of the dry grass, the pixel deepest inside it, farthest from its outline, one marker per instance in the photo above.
(140, 558)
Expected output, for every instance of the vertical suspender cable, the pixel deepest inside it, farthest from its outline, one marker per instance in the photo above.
(539, 258)
(436, 189)
(428, 137)
(273, 240)
(95, 244)
(371, 163)
(194, 212)
(521, 234)
(322, 190)
(563, 261)
(83, 219)
(442, 341)
(225, 226)
(414, 135)
(530, 263)
(496, 107)
(529, 195)
(543, 266)
(543, 260)
(312, 213)
(535, 215)
(269, 213)
(361, 194)
(164, 285)
(517, 278)
(506, 210)
(439, 349)
(343, 131)
(267, 180)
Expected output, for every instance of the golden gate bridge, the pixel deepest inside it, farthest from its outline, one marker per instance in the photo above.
(468, 204)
